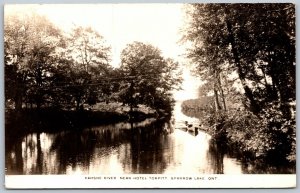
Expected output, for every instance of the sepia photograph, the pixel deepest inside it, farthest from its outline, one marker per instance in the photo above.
(161, 95)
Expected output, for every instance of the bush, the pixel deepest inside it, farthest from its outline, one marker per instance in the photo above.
(268, 136)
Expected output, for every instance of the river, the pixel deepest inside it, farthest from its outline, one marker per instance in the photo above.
(148, 147)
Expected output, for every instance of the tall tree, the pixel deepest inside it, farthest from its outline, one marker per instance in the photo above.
(254, 40)
(256, 43)
(149, 78)
(30, 44)
(90, 56)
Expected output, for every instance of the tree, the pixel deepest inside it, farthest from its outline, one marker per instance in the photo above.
(90, 57)
(240, 38)
(257, 43)
(30, 44)
(148, 77)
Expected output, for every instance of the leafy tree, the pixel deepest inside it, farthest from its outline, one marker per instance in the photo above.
(256, 42)
(90, 57)
(88, 48)
(148, 77)
(30, 44)
(239, 37)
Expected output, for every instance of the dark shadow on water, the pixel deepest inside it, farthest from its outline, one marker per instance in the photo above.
(73, 148)
(216, 154)
(249, 164)
(146, 147)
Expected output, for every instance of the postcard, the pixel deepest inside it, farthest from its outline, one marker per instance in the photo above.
(150, 95)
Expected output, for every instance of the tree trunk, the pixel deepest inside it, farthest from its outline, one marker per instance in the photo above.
(254, 107)
(39, 83)
(217, 102)
(18, 97)
(279, 83)
(221, 91)
(131, 97)
(18, 101)
(78, 103)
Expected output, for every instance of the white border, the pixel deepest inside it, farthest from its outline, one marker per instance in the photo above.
(40, 181)
(151, 181)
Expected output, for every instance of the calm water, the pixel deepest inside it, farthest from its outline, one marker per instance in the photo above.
(149, 147)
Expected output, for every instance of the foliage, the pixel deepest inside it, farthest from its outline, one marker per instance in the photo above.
(90, 63)
(150, 77)
(30, 44)
(45, 67)
(246, 55)
(269, 137)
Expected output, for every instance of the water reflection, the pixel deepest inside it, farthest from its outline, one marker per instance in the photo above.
(155, 148)
(148, 147)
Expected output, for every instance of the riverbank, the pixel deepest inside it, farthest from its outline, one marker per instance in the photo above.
(257, 137)
(19, 123)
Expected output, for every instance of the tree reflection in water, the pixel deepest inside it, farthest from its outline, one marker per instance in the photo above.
(74, 148)
(138, 148)
(215, 156)
(147, 150)
(149, 147)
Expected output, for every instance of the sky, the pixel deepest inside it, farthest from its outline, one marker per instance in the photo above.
(121, 24)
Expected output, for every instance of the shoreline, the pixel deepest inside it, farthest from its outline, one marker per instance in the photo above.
(20, 123)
